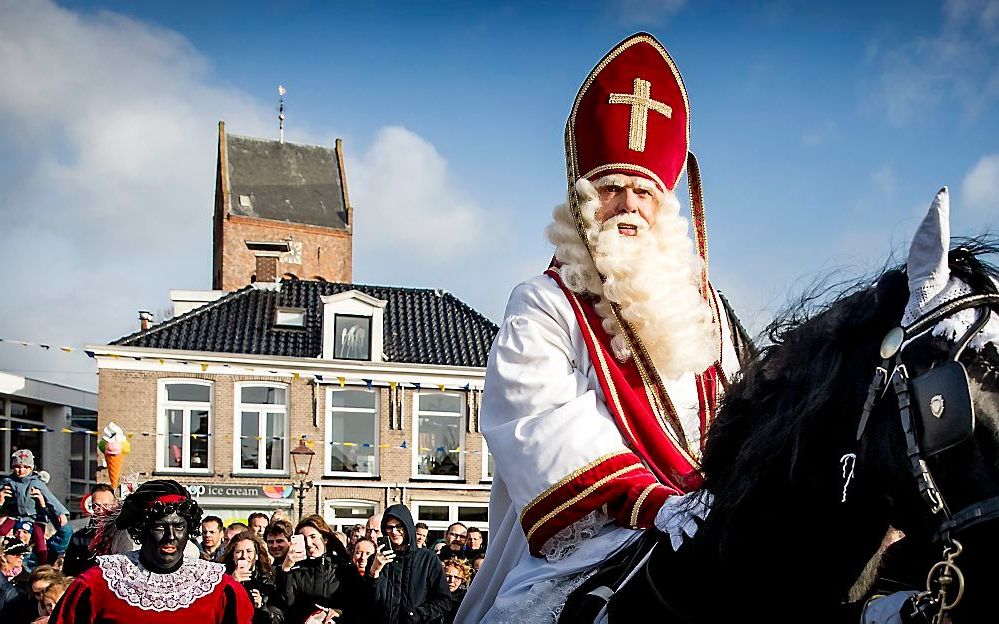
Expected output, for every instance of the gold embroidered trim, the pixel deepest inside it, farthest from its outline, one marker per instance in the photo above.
(569, 477)
(641, 103)
(639, 168)
(638, 503)
(575, 499)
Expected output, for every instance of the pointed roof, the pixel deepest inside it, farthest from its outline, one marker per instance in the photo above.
(288, 182)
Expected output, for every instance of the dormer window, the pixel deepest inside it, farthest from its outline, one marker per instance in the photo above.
(292, 318)
(353, 325)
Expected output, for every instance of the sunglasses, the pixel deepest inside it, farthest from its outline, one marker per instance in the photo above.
(452, 577)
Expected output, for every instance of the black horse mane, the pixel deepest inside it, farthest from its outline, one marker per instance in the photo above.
(802, 396)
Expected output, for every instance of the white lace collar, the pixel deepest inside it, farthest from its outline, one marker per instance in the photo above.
(150, 591)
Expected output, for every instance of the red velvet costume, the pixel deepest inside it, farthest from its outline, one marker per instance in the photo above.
(119, 590)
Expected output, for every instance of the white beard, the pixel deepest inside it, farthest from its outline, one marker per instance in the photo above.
(652, 276)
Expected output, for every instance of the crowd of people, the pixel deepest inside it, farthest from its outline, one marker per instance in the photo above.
(384, 571)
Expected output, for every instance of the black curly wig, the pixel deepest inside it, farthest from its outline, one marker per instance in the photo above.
(139, 509)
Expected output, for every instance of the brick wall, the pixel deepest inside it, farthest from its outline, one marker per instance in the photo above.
(326, 253)
(130, 399)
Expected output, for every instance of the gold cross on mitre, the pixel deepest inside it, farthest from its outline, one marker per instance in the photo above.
(641, 102)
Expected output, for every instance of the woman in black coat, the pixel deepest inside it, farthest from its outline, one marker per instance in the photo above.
(246, 561)
(321, 580)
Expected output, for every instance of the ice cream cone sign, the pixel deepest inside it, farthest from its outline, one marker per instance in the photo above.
(115, 446)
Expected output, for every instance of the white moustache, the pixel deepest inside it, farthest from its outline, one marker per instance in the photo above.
(634, 220)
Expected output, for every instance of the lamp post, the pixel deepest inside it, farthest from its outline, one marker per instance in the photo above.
(301, 461)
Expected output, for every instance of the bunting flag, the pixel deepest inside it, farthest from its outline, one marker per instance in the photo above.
(308, 442)
(395, 387)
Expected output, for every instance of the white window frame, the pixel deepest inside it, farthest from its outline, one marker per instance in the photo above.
(333, 503)
(354, 303)
(486, 477)
(239, 407)
(162, 405)
(440, 525)
(375, 415)
(416, 435)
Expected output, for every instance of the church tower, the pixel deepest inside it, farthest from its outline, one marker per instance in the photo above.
(281, 211)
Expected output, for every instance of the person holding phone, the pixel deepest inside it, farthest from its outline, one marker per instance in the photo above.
(319, 584)
(246, 560)
(408, 582)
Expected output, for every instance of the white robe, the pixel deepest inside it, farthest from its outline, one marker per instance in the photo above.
(543, 416)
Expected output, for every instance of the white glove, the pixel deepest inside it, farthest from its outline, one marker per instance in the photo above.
(679, 514)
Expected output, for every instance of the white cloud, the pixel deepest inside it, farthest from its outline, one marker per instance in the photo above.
(980, 188)
(407, 202)
(959, 62)
(108, 143)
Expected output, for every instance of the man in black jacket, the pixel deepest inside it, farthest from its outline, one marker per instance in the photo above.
(409, 584)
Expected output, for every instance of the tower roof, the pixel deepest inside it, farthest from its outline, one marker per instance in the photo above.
(287, 182)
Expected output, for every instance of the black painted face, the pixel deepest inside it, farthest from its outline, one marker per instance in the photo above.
(163, 543)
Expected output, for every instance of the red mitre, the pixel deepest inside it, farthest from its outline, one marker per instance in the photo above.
(631, 116)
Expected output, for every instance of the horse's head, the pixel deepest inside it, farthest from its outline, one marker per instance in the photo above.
(795, 486)
(931, 442)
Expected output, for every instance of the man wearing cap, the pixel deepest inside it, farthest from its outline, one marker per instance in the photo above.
(607, 370)
(156, 584)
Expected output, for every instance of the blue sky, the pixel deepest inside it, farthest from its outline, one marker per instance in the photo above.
(823, 131)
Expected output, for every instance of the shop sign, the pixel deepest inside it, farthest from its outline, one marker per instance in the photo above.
(232, 490)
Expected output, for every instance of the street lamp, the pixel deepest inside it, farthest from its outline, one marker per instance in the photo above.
(301, 461)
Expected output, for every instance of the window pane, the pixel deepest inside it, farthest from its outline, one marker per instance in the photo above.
(26, 411)
(188, 392)
(263, 395)
(440, 403)
(473, 514)
(354, 398)
(358, 429)
(248, 444)
(353, 512)
(78, 456)
(439, 435)
(199, 438)
(430, 513)
(275, 441)
(353, 337)
(175, 438)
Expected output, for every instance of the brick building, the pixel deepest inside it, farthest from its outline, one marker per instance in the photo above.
(281, 209)
(383, 382)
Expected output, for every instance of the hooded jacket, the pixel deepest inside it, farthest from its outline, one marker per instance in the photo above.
(411, 589)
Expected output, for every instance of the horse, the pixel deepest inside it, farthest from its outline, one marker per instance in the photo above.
(810, 462)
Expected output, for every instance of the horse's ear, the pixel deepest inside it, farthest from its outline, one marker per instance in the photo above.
(927, 263)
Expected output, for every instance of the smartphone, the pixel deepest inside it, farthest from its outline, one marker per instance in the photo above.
(298, 543)
(384, 544)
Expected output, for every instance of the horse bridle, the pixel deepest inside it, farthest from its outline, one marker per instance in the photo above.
(940, 400)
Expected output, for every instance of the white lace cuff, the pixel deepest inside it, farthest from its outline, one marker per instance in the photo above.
(679, 515)
(565, 542)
